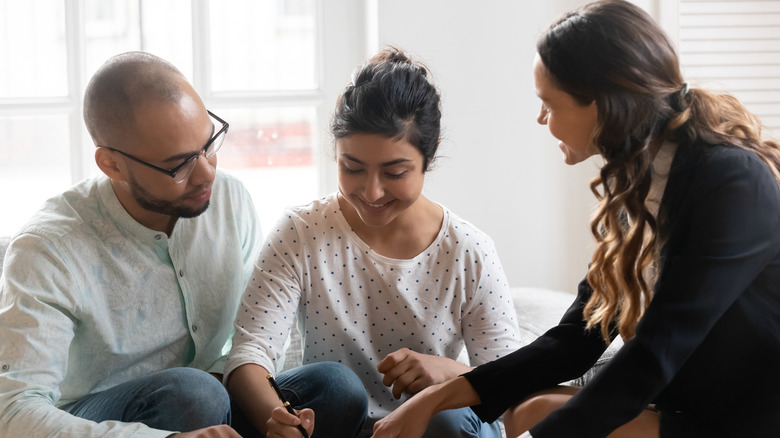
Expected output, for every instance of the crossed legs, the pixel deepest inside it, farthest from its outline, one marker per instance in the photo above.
(176, 399)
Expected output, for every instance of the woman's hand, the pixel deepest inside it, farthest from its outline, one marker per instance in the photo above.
(410, 420)
(284, 424)
(410, 372)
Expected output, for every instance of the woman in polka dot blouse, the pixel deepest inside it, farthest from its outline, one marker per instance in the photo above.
(387, 287)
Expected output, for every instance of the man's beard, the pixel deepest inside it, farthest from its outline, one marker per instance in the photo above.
(147, 201)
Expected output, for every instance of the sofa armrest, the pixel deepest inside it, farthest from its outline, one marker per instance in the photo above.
(538, 310)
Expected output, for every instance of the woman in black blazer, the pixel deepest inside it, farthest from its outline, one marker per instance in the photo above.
(687, 262)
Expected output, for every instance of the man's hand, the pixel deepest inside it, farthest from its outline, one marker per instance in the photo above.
(410, 372)
(284, 424)
(221, 431)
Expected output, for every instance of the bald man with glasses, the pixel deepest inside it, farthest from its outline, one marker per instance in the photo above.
(118, 297)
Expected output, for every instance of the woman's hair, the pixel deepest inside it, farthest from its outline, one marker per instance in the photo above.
(613, 53)
(392, 96)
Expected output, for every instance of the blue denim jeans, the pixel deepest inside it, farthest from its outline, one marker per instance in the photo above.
(332, 390)
(177, 399)
(340, 403)
(453, 423)
(460, 423)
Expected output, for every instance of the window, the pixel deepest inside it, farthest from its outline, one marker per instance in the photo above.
(256, 63)
(733, 46)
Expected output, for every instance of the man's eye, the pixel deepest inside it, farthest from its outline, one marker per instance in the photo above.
(190, 159)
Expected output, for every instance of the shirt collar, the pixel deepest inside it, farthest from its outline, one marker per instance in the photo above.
(118, 214)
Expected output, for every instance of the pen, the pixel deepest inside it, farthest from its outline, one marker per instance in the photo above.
(285, 402)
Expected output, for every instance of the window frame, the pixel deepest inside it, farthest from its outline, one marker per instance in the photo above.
(341, 40)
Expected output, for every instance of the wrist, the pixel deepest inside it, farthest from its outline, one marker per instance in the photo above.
(452, 394)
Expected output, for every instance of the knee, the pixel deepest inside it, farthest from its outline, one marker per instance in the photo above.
(527, 414)
(345, 388)
(344, 380)
(538, 406)
(333, 391)
(461, 423)
(336, 380)
(198, 395)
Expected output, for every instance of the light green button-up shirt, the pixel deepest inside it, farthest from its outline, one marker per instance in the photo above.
(90, 298)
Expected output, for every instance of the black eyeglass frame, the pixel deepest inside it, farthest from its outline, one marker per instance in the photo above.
(172, 173)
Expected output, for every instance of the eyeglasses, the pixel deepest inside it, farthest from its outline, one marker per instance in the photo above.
(183, 170)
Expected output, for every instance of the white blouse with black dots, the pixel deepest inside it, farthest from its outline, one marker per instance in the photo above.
(355, 306)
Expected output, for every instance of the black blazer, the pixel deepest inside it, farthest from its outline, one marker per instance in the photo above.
(707, 349)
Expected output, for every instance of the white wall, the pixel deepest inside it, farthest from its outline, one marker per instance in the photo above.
(499, 168)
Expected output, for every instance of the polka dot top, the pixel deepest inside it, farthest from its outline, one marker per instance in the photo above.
(355, 306)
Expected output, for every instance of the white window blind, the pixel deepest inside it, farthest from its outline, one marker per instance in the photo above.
(734, 46)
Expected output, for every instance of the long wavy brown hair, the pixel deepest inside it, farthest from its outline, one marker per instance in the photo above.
(613, 53)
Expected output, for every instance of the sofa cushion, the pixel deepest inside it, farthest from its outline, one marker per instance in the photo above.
(538, 310)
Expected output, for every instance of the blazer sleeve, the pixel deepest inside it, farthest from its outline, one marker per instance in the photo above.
(724, 235)
(563, 353)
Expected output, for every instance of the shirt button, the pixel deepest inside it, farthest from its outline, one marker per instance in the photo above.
(194, 328)
(5, 367)
(181, 273)
(157, 237)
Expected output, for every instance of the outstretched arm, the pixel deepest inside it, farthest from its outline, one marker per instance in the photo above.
(411, 419)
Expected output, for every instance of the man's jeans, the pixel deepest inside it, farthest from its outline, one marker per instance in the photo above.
(340, 403)
(177, 399)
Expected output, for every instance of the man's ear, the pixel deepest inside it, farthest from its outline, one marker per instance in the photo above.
(106, 161)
